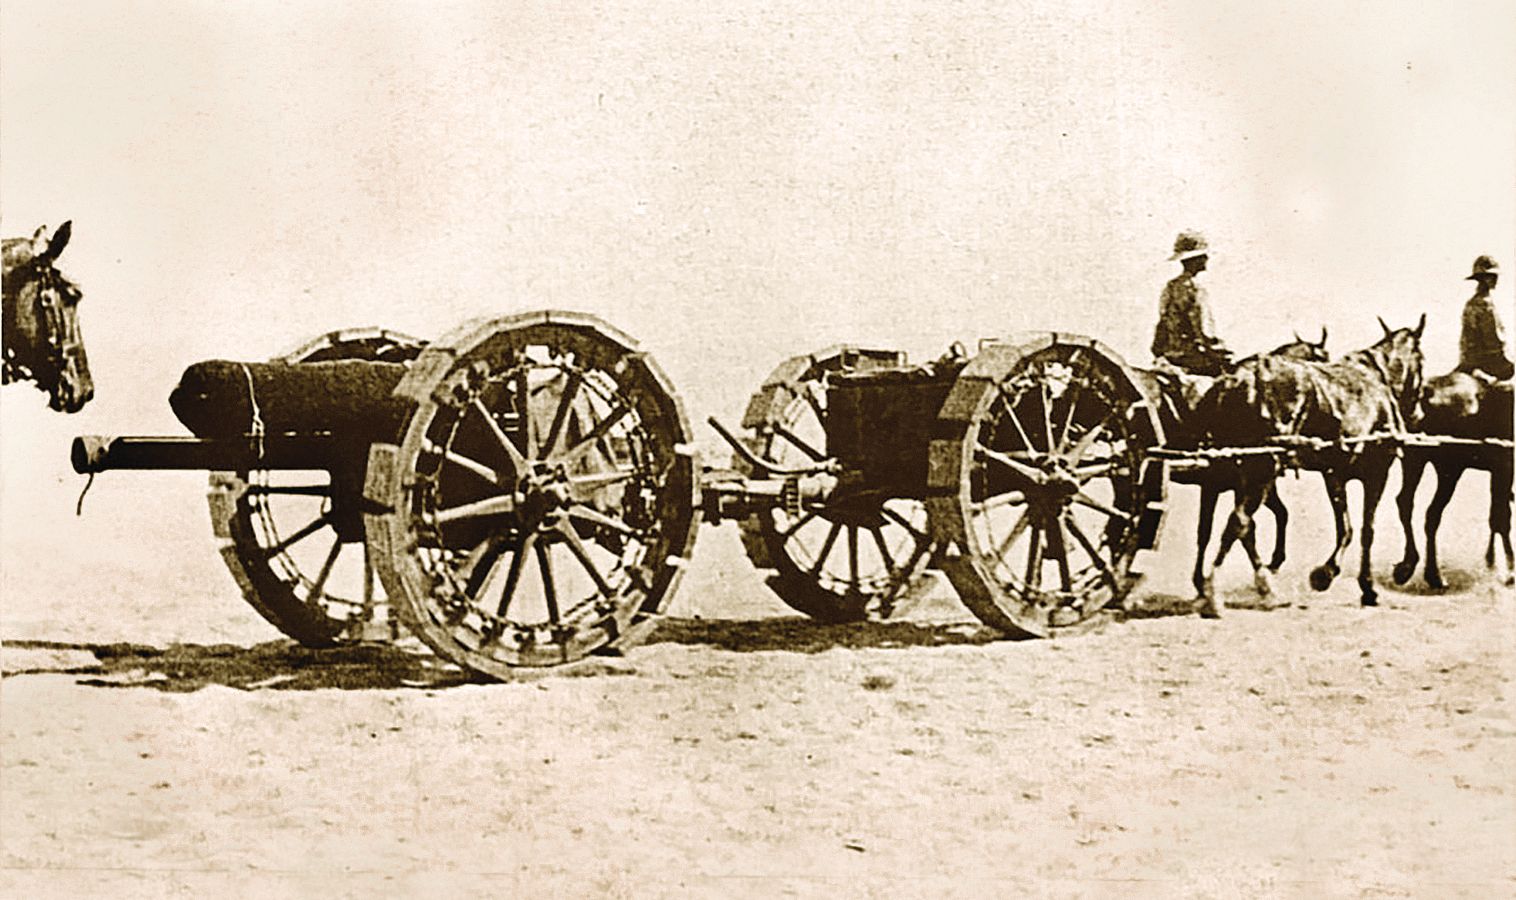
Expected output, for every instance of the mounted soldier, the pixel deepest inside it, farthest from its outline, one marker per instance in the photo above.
(1185, 336)
(1481, 343)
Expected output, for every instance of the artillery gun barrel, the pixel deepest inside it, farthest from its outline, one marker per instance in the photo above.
(93, 453)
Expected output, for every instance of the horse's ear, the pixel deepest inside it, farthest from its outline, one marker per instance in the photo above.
(1298, 338)
(59, 239)
(1421, 325)
(1387, 329)
(1323, 341)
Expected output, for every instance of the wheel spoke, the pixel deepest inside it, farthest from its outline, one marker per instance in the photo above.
(1033, 580)
(799, 443)
(1004, 546)
(826, 548)
(1029, 474)
(852, 558)
(1112, 467)
(1009, 498)
(905, 523)
(597, 480)
(1060, 548)
(602, 428)
(577, 548)
(549, 586)
(594, 516)
(1087, 440)
(799, 523)
(1047, 414)
(489, 506)
(513, 574)
(884, 550)
(306, 531)
(808, 391)
(319, 587)
(518, 462)
(560, 417)
(1073, 398)
(1083, 499)
(1010, 411)
(524, 411)
(477, 555)
(1089, 549)
(464, 462)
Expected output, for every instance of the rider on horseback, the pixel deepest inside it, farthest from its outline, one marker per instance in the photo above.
(1185, 335)
(1481, 344)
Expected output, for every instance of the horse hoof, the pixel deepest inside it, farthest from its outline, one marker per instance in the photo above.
(1403, 572)
(1369, 600)
(1434, 581)
(1321, 578)
(1210, 611)
(1263, 584)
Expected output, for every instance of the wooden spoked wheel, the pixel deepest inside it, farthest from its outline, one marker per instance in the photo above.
(540, 505)
(847, 559)
(294, 541)
(1041, 490)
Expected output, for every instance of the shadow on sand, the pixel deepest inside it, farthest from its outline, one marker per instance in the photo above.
(276, 665)
(796, 634)
(287, 666)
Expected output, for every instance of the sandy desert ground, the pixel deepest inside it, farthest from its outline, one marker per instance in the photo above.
(173, 746)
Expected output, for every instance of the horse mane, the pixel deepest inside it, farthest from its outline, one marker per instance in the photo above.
(1272, 396)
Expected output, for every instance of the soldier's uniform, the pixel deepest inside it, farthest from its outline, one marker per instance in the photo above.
(1481, 342)
(1185, 336)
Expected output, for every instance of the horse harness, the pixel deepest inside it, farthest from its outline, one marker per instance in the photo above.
(61, 345)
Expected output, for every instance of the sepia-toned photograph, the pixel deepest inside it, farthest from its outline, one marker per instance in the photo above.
(649, 449)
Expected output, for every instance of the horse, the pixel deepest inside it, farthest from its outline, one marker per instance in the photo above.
(1221, 475)
(43, 342)
(1461, 406)
(1340, 418)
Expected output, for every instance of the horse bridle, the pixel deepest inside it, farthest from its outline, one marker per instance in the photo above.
(62, 347)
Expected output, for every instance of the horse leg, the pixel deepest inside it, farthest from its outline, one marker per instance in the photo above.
(1202, 580)
(1210, 608)
(1500, 519)
(1255, 498)
(1447, 482)
(1248, 494)
(1281, 526)
(1412, 465)
(1373, 488)
(1337, 493)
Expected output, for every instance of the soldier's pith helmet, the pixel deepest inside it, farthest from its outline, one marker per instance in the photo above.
(1483, 266)
(1190, 244)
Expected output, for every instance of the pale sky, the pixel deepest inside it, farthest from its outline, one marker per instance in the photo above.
(731, 183)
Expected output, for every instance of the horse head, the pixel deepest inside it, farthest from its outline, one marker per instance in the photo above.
(1304, 350)
(42, 336)
(1397, 357)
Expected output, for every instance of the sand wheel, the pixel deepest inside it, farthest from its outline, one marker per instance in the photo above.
(293, 540)
(857, 556)
(1040, 486)
(540, 504)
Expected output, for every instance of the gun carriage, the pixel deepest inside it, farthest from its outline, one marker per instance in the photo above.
(525, 491)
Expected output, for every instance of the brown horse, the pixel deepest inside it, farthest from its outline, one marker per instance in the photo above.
(1458, 405)
(41, 321)
(1341, 417)
(1222, 475)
